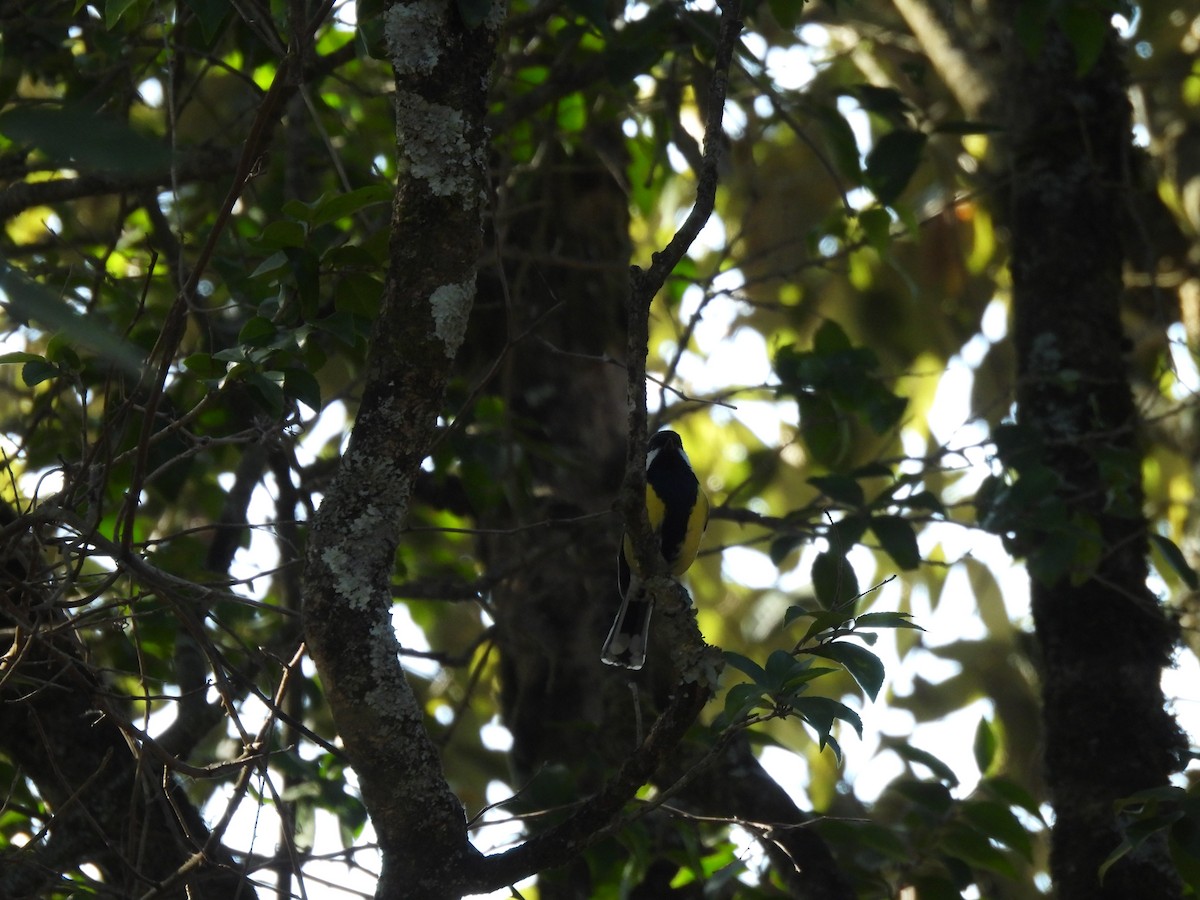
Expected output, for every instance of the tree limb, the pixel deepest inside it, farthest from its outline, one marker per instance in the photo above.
(441, 68)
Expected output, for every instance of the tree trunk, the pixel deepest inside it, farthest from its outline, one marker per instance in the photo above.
(1103, 636)
(442, 68)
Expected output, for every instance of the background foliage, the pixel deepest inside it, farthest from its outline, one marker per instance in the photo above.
(834, 351)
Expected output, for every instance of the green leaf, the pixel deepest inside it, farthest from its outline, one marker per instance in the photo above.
(794, 612)
(788, 676)
(863, 665)
(821, 712)
(827, 621)
(984, 746)
(997, 822)
(1175, 559)
(300, 211)
(282, 233)
(1141, 830)
(876, 224)
(912, 754)
(886, 620)
(203, 365)
(114, 9)
(38, 370)
(274, 263)
(873, 470)
(825, 432)
(846, 532)
(839, 488)
(831, 382)
(27, 299)
(974, 849)
(830, 338)
(358, 293)
(780, 666)
(880, 406)
(368, 33)
(925, 500)
(897, 537)
(266, 391)
(572, 113)
(783, 545)
(60, 352)
(892, 162)
(1150, 798)
(299, 384)
(842, 143)
(257, 332)
(1013, 794)
(342, 325)
(882, 100)
(341, 206)
(748, 666)
(931, 796)
(111, 145)
(833, 580)
(231, 354)
(828, 740)
(740, 701)
(20, 356)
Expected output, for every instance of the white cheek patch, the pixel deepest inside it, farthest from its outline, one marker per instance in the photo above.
(651, 455)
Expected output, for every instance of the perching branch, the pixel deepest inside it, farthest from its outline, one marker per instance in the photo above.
(644, 285)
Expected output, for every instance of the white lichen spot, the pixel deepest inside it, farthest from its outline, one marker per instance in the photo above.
(451, 308)
(382, 649)
(349, 578)
(414, 36)
(434, 145)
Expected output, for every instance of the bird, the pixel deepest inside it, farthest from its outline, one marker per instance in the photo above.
(678, 513)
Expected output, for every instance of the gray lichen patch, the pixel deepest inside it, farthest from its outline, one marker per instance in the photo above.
(434, 144)
(450, 305)
(414, 36)
(350, 580)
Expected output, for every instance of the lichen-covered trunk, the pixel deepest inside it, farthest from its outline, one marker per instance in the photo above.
(441, 67)
(1103, 636)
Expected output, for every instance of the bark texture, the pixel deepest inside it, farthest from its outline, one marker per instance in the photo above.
(442, 68)
(1103, 636)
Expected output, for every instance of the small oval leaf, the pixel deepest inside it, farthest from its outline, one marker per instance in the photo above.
(897, 537)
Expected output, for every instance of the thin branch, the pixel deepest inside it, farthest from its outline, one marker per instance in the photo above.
(644, 284)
